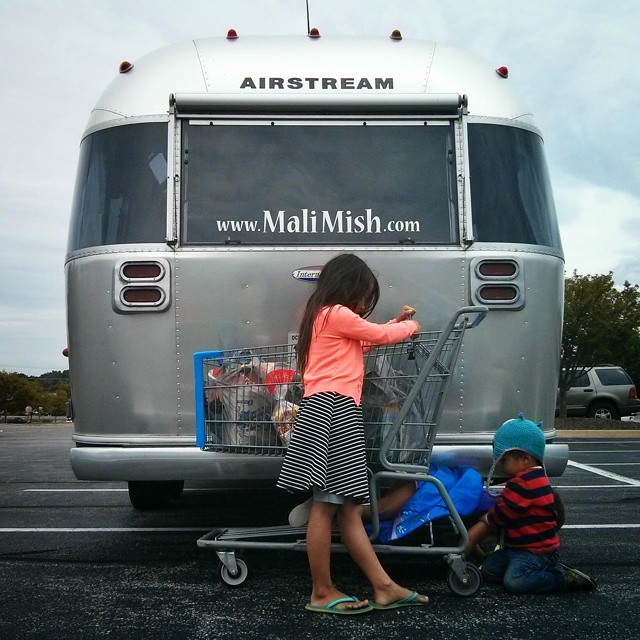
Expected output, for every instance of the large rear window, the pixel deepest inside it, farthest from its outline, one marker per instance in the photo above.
(121, 187)
(511, 196)
(283, 183)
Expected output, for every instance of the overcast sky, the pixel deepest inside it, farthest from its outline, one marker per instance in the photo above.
(574, 62)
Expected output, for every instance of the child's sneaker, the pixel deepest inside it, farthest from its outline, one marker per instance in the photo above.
(578, 581)
(299, 516)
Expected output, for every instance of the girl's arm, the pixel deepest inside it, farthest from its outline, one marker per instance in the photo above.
(348, 324)
(406, 314)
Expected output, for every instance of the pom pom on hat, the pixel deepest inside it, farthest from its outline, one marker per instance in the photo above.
(521, 434)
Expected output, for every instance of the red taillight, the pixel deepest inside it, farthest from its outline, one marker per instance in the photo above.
(396, 35)
(633, 394)
(314, 33)
(141, 271)
(497, 269)
(503, 72)
(142, 295)
(232, 34)
(499, 293)
(125, 66)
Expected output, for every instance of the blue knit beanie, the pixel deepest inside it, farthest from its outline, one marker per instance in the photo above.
(522, 434)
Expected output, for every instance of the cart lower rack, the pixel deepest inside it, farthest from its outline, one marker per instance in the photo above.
(247, 400)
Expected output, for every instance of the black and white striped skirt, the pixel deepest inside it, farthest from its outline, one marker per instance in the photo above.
(327, 448)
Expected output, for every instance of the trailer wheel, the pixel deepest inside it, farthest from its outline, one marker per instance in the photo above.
(240, 576)
(147, 495)
(470, 588)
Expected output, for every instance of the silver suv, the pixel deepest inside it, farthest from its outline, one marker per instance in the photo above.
(603, 392)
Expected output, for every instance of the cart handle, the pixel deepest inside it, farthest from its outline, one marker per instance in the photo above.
(480, 311)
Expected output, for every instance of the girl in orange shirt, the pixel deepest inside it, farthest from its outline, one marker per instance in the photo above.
(326, 453)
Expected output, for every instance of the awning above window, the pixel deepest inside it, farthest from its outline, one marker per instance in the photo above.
(322, 102)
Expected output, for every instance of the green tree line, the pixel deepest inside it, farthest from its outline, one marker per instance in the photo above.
(601, 326)
(49, 391)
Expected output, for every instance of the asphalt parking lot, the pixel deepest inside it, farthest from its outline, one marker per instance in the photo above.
(77, 561)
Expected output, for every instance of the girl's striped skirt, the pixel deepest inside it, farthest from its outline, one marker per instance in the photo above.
(327, 448)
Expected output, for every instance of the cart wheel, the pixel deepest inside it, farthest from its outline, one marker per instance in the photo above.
(238, 579)
(474, 581)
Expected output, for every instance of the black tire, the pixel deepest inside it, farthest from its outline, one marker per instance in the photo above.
(239, 578)
(474, 581)
(603, 410)
(149, 495)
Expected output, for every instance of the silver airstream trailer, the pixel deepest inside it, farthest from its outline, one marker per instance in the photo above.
(217, 176)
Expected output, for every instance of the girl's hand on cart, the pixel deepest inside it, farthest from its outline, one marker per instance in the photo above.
(406, 314)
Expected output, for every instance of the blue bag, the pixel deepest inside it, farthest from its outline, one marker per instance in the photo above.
(464, 486)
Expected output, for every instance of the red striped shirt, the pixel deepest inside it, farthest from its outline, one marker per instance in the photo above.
(526, 512)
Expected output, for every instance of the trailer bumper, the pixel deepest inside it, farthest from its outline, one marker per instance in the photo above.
(190, 463)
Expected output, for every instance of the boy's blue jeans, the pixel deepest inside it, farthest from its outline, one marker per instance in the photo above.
(525, 572)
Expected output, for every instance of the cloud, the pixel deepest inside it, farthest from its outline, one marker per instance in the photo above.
(598, 231)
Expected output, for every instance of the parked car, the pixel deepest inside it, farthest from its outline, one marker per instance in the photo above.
(603, 392)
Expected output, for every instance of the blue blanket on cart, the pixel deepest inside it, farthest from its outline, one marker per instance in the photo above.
(464, 486)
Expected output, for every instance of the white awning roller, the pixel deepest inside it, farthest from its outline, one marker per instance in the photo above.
(320, 103)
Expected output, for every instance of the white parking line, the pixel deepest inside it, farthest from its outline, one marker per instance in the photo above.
(604, 450)
(75, 490)
(103, 529)
(601, 526)
(590, 486)
(617, 464)
(605, 474)
(96, 490)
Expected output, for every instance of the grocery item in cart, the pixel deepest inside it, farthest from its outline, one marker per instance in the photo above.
(245, 400)
(283, 417)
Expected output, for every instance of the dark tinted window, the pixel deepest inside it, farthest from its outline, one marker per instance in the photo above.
(121, 187)
(610, 377)
(319, 184)
(511, 195)
(582, 381)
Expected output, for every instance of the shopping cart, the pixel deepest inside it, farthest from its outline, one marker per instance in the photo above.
(246, 403)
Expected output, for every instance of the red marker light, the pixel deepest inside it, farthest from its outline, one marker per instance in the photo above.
(142, 295)
(232, 34)
(396, 35)
(497, 293)
(314, 33)
(497, 269)
(126, 66)
(503, 72)
(142, 271)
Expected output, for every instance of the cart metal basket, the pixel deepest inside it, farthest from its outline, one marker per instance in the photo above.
(247, 400)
